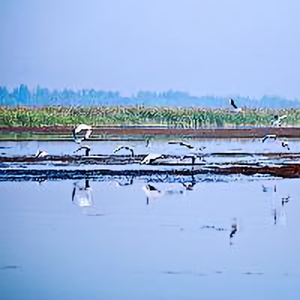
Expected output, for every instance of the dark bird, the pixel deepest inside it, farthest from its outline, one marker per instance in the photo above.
(236, 109)
(285, 144)
(269, 136)
(87, 150)
(126, 148)
(181, 144)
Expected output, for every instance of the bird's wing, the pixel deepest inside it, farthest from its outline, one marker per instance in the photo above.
(232, 103)
(282, 117)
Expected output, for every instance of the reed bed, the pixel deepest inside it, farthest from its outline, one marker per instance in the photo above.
(175, 117)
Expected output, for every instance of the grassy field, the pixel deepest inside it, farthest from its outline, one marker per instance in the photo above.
(174, 117)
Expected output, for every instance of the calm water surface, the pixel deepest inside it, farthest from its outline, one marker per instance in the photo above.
(124, 242)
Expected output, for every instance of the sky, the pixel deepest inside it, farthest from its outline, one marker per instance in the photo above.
(249, 48)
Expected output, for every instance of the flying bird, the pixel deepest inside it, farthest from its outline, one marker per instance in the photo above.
(79, 128)
(277, 121)
(285, 144)
(87, 150)
(126, 148)
(269, 136)
(236, 109)
(184, 144)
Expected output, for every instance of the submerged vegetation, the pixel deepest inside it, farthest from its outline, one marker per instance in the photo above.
(174, 117)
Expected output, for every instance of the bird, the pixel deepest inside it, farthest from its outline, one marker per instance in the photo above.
(187, 145)
(126, 148)
(285, 200)
(41, 153)
(236, 109)
(150, 158)
(277, 121)
(285, 144)
(87, 150)
(269, 136)
(80, 128)
(181, 144)
(193, 156)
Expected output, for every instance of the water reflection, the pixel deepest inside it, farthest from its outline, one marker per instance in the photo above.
(82, 195)
(154, 193)
(135, 244)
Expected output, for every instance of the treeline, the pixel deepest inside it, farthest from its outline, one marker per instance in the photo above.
(44, 97)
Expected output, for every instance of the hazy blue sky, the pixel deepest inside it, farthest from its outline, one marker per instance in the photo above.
(205, 47)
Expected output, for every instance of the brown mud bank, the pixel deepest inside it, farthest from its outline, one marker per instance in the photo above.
(291, 171)
(107, 133)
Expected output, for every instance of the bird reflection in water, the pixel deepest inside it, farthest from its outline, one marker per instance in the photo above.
(189, 186)
(83, 197)
(234, 230)
(154, 193)
(126, 183)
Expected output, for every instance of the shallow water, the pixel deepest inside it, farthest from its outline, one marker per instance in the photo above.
(157, 146)
(174, 245)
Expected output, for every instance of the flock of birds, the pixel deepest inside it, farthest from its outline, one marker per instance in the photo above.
(151, 157)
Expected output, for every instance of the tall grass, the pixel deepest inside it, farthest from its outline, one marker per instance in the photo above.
(139, 115)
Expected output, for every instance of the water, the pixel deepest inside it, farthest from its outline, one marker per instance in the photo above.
(125, 246)
(11, 148)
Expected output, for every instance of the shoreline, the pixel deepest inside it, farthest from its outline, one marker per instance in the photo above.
(61, 133)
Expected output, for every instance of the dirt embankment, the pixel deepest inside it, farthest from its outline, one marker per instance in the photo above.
(109, 132)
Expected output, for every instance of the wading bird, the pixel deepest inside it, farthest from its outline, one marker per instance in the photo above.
(79, 128)
(236, 109)
(41, 153)
(150, 158)
(87, 150)
(126, 148)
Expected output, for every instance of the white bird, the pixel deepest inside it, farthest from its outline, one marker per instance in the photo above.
(87, 149)
(236, 109)
(41, 153)
(80, 128)
(277, 121)
(126, 148)
(150, 158)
